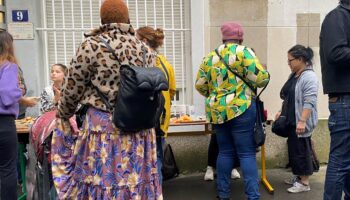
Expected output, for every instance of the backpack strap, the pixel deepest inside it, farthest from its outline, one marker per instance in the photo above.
(144, 55)
(110, 49)
(100, 94)
(164, 68)
(116, 57)
(254, 90)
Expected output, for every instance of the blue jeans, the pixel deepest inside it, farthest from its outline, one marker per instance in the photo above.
(338, 170)
(235, 138)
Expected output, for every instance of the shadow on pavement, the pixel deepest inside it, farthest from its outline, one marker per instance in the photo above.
(193, 187)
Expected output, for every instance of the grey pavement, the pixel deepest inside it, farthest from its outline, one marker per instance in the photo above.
(193, 187)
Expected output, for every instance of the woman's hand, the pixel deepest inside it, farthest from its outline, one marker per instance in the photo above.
(57, 94)
(300, 127)
(277, 115)
(29, 101)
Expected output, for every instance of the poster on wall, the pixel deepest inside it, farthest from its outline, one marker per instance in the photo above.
(21, 30)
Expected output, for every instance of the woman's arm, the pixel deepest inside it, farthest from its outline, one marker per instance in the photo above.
(309, 89)
(75, 83)
(244, 62)
(172, 79)
(28, 101)
(202, 80)
(302, 121)
(253, 71)
(10, 93)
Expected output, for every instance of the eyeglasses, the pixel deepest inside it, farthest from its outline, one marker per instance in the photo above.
(289, 61)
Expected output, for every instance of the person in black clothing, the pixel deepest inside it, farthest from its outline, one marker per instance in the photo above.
(335, 64)
(299, 95)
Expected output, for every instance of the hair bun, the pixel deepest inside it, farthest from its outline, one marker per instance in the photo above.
(310, 53)
(159, 33)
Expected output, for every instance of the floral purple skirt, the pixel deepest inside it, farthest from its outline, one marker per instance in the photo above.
(103, 163)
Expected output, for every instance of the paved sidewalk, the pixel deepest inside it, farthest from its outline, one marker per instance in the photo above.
(193, 187)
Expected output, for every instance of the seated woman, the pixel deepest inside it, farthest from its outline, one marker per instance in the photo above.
(51, 94)
(41, 131)
(46, 123)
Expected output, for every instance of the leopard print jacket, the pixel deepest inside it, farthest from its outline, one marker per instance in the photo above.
(94, 66)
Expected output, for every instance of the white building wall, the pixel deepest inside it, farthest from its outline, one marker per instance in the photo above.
(272, 27)
(282, 35)
(200, 39)
(28, 52)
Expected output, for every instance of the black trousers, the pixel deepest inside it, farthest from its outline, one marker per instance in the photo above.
(8, 158)
(213, 152)
(300, 154)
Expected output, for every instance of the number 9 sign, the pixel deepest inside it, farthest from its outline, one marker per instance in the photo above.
(20, 15)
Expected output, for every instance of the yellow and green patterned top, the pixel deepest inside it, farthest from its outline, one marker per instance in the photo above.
(227, 96)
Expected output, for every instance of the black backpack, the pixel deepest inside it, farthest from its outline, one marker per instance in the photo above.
(169, 166)
(139, 102)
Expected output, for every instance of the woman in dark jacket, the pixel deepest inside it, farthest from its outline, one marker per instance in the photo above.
(102, 162)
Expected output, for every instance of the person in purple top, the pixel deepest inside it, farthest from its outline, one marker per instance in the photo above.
(10, 93)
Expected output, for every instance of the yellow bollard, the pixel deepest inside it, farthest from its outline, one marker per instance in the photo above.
(264, 180)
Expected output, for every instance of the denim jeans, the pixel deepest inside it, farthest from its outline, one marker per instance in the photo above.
(235, 138)
(160, 142)
(338, 170)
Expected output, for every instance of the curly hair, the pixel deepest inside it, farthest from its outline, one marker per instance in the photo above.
(154, 37)
(114, 11)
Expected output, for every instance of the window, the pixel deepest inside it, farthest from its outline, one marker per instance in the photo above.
(65, 22)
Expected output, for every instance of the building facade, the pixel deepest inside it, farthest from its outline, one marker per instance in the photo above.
(192, 29)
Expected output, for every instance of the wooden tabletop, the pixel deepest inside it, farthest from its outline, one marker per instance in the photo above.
(199, 122)
(187, 131)
(22, 129)
(22, 125)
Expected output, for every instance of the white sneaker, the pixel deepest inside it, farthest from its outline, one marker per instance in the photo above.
(235, 174)
(292, 180)
(299, 187)
(209, 174)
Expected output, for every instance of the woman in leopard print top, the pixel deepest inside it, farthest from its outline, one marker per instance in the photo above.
(101, 163)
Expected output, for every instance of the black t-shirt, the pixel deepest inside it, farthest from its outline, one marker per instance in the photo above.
(287, 94)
